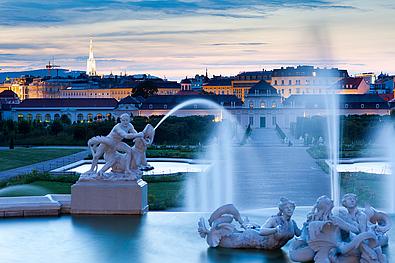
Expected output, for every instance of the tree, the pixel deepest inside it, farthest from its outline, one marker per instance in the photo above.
(24, 127)
(145, 89)
(65, 119)
(56, 127)
(79, 132)
(12, 143)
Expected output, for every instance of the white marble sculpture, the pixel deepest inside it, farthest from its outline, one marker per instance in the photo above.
(353, 236)
(126, 162)
(274, 234)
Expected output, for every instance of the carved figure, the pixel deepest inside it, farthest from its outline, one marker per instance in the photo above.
(329, 238)
(275, 233)
(139, 159)
(369, 220)
(118, 155)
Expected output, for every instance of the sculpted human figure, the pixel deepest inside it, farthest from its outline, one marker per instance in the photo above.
(112, 143)
(353, 215)
(274, 234)
(322, 239)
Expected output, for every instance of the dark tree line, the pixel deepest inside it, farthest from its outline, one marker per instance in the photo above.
(175, 130)
(354, 129)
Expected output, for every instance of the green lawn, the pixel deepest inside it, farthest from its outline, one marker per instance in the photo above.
(36, 188)
(164, 195)
(368, 187)
(18, 157)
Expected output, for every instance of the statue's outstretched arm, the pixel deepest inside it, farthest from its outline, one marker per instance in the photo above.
(344, 225)
(269, 228)
(298, 231)
(127, 135)
(134, 135)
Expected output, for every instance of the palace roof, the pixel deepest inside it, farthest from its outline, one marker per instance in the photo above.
(8, 94)
(262, 88)
(68, 103)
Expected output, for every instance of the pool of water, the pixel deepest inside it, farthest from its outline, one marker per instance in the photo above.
(160, 167)
(366, 167)
(156, 237)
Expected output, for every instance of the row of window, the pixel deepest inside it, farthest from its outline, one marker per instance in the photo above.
(47, 117)
(262, 104)
(297, 82)
(362, 106)
(303, 91)
(95, 94)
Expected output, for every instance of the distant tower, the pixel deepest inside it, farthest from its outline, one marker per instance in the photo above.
(90, 62)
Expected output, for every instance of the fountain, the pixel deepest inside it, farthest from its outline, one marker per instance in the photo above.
(332, 105)
(211, 189)
(173, 235)
(389, 132)
(354, 235)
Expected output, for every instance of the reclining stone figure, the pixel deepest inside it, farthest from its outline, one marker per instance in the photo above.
(274, 234)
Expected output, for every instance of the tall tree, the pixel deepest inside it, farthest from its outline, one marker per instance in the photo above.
(145, 89)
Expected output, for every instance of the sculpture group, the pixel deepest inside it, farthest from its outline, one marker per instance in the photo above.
(354, 235)
(126, 162)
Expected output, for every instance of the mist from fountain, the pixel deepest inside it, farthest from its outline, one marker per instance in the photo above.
(385, 140)
(334, 142)
(211, 189)
(391, 185)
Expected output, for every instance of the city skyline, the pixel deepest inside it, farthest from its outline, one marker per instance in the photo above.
(181, 38)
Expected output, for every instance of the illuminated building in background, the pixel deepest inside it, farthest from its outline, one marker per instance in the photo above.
(306, 80)
(91, 62)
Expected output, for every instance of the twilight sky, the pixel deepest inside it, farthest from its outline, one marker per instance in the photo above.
(176, 38)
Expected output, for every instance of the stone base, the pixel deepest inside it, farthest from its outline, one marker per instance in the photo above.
(28, 206)
(109, 197)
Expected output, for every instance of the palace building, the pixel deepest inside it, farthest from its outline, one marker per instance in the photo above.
(306, 80)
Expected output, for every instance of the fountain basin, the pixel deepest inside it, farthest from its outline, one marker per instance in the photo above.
(162, 166)
(155, 237)
(374, 167)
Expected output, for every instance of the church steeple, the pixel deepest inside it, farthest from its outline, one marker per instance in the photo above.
(91, 62)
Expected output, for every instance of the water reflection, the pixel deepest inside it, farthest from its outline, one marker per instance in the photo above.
(111, 238)
(244, 255)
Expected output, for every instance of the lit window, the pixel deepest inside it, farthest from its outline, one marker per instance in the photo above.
(90, 117)
(38, 117)
(20, 117)
(263, 104)
(80, 117)
(47, 118)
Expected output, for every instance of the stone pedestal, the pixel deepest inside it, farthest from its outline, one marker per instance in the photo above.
(109, 197)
